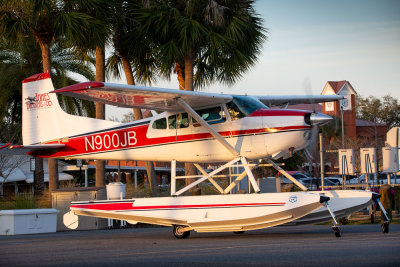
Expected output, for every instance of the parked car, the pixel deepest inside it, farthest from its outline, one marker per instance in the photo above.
(382, 179)
(337, 180)
(298, 175)
(310, 183)
(394, 179)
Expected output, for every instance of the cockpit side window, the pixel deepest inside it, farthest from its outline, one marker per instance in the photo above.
(211, 115)
(234, 111)
(160, 124)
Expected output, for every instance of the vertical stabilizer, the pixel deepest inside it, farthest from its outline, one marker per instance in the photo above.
(43, 119)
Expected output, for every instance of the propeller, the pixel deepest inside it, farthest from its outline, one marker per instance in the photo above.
(310, 148)
(314, 119)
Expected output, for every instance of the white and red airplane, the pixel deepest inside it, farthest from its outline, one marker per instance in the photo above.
(194, 127)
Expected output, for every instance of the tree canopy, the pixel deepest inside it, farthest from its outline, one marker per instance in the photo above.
(211, 40)
(385, 110)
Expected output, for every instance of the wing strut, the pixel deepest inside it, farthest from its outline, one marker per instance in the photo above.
(203, 123)
(205, 175)
(287, 175)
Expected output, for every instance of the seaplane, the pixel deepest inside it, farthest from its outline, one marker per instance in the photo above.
(198, 127)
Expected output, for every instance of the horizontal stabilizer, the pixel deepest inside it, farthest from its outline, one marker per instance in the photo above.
(9, 149)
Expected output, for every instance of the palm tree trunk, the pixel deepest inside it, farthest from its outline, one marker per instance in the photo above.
(151, 173)
(38, 179)
(179, 69)
(189, 62)
(52, 163)
(46, 56)
(100, 110)
(53, 175)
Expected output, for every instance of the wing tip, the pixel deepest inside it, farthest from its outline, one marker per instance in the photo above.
(79, 87)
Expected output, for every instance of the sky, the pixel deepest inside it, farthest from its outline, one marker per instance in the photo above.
(311, 42)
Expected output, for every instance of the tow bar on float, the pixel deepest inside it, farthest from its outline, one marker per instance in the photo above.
(335, 226)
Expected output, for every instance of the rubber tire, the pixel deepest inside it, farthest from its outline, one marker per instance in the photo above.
(385, 227)
(180, 235)
(337, 231)
(239, 232)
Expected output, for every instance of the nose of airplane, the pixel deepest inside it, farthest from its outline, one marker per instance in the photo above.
(319, 119)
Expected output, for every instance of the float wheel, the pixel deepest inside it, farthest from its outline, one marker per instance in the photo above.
(178, 233)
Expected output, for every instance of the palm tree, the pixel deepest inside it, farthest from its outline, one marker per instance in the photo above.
(125, 53)
(202, 41)
(95, 40)
(19, 62)
(45, 21)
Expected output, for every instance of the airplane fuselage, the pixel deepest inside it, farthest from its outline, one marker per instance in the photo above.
(176, 136)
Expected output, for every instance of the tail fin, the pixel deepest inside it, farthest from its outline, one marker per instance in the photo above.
(43, 119)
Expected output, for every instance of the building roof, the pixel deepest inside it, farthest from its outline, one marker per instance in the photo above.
(336, 85)
(364, 123)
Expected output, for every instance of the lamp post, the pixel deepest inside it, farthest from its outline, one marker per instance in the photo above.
(342, 112)
(33, 169)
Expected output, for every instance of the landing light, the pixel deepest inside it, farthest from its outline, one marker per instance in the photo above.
(271, 130)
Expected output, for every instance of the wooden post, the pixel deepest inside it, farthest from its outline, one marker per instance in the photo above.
(386, 200)
(128, 177)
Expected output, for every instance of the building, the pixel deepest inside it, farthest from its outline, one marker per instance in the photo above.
(16, 174)
(354, 128)
(347, 106)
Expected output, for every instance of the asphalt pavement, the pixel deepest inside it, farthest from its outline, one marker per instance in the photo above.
(307, 245)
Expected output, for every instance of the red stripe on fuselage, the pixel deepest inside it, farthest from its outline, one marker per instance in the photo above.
(130, 206)
(135, 137)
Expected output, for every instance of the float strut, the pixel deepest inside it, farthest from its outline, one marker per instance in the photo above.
(335, 226)
(385, 224)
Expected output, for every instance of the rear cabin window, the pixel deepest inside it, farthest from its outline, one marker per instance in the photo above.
(178, 121)
(160, 124)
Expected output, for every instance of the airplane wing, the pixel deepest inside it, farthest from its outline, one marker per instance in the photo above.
(9, 149)
(132, 96)
(278, 100)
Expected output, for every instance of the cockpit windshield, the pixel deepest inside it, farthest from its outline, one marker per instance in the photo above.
(242, 106)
